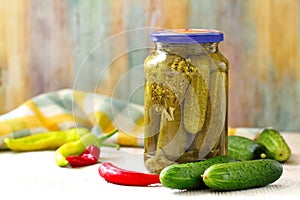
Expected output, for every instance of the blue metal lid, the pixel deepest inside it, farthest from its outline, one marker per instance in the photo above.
(187, 36)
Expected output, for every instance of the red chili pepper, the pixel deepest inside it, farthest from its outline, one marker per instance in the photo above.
(88, 157)
(114, 174)
(82, 160)
(93, 150)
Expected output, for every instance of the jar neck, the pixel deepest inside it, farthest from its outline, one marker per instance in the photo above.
(194, 49)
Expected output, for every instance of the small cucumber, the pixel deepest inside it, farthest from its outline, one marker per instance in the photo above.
(275, 144)
(242, 148)
(243, 174)
(188, 175)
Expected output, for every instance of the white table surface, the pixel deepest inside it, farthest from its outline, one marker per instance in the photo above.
(34, 175)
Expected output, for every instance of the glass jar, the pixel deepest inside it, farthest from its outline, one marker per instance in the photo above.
(186, 98)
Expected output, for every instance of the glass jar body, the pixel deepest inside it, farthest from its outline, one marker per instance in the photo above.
(186, 100)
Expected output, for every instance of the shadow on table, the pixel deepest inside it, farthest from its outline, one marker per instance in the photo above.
(274, 189)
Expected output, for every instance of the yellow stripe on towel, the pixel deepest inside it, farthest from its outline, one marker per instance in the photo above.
(49, 124)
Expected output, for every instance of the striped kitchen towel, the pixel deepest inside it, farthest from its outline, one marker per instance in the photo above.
(64, 109)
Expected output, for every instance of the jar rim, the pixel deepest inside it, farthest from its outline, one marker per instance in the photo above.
(187, 36)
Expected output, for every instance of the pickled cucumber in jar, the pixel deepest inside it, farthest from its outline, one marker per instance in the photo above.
(185, 98)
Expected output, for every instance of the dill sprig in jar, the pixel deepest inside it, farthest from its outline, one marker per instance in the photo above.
(186, 98)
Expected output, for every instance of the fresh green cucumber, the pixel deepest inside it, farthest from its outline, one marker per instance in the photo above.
(243, 174)
(242, 148)
(188, 175)
(275, 144)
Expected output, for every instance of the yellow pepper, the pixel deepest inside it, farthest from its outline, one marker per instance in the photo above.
(78, 146)
(46, 140)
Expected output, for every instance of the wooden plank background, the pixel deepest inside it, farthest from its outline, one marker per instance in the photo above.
(95, 45)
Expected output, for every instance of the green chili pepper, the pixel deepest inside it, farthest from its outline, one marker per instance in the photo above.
(78, 146)
(45, 141)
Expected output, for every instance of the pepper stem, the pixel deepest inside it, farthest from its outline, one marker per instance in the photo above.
(101, 139)
(117, 146)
